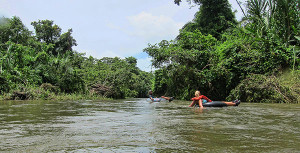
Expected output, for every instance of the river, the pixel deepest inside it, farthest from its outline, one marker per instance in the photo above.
(135, 125)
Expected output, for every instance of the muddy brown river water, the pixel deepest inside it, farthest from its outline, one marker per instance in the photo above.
(135, 125)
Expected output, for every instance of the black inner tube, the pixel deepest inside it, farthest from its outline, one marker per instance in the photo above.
(213, 104)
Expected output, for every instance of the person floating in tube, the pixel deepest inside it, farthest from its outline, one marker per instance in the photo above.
(201, 99)
(152, 97)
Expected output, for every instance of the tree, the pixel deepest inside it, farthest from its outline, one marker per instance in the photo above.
(28, 61)
(214, 17)
(131, 60)
(189, 1)
(46, 32)
(13, 30)
(267, 43)
(50, 33)
(276, 19)
(182, 64)
(65, 42)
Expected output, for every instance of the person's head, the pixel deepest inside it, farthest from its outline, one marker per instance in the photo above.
(197, 93)
(150, 92)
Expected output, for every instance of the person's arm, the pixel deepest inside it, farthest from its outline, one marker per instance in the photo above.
(208, 100)
(192, 104)
(200, 103)
(151, 98)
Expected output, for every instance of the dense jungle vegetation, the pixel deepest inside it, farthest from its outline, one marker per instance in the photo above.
(43, 65)
(254, 60)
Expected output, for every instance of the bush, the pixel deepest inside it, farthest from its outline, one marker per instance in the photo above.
(271, 89)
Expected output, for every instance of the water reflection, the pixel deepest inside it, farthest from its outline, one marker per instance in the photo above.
(134, 125)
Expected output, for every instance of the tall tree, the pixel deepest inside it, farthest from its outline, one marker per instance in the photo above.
(65, 42)
(13, 30)
(190, 1)
(46, 32)
(213, 17)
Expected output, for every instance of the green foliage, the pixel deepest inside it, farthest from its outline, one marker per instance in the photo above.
(13, 30)
(240, 62)
(272, 89)
(32, 65)
(48, 33)
(183, 63)
(274, 19)
(214, 17)
(121, 75)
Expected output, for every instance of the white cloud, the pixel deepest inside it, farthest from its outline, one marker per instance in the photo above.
(153, 28)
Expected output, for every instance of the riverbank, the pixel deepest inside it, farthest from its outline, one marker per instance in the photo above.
(283, 87)
(38, 93)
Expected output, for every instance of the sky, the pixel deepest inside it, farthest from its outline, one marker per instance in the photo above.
(110, 28)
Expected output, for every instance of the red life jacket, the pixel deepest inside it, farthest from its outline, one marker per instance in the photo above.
(202, 97)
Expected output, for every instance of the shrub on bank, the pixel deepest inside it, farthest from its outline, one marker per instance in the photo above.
(46, 92)
(271, 89)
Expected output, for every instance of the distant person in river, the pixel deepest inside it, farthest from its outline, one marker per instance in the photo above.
(151, 96)
(201, 99)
